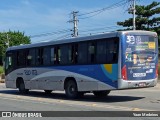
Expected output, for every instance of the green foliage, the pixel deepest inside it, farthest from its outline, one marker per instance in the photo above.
(145, 19)
(1, 70)
(14, 38)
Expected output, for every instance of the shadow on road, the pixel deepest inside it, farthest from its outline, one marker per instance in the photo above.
(61, 96)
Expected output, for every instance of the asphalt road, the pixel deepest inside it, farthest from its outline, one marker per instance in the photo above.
(146, 99)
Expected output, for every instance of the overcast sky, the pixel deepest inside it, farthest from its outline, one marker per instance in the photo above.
(44, 16)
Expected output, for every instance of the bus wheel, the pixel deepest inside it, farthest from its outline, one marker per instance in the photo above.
(71, 89)
(48, 91)
(101, 94)
(21, 87)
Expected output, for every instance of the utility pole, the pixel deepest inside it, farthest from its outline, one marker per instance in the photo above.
(133, 10)
(7, 43)
(134, 17)
(75, 24)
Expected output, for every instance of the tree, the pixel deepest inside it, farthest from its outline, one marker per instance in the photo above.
(13, 38)
(146, 18)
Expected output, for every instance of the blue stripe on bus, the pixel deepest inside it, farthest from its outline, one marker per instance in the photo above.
(97, 72)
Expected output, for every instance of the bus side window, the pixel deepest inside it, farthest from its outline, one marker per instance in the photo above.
(91, 52)
(109, 51)
(116, 47)
(112, 52)
(82, 52)
(67, 54)
(58, 55)
(52, 56)
(55, 55)
(75, 53)
(64, 54)
(46, 56)
(39, 58)
(71, 54)
(30, 57)
(101, 51)
(21, 62)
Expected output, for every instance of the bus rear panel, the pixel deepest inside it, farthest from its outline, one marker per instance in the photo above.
(139, 63)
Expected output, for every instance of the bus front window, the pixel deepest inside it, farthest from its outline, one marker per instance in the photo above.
(8, 63)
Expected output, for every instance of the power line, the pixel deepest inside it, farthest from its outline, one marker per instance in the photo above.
(96, 12)
(100, 9)
(99, 28)
(63, 37)
(50, 33)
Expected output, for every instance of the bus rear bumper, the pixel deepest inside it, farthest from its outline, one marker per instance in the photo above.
(125, 84)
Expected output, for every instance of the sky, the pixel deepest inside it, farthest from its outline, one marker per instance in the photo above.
(38, 17)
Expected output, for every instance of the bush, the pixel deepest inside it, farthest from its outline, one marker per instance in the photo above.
(1, 70)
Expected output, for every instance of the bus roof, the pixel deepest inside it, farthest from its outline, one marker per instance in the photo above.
(78, 39)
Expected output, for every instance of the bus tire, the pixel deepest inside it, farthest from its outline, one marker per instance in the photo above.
(71, 89)
(47, 91)
(21, 87)
(101, 94)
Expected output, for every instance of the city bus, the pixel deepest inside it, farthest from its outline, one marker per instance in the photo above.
(96, 64)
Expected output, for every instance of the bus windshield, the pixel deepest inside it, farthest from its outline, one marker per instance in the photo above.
(140, 57)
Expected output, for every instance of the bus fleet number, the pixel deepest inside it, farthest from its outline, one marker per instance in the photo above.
(30, 72)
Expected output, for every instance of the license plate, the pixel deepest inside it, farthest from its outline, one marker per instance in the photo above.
(142, 84)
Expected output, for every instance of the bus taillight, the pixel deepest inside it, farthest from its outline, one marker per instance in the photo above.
(157, 70)
(124, 73)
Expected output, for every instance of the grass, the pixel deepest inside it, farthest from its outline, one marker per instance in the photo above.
(1, 70)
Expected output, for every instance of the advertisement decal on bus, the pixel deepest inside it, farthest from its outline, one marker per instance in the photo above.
(140, 53)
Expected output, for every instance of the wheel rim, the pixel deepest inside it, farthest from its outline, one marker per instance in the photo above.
(72, 89)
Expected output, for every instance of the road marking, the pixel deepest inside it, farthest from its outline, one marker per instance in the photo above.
(136, 109)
